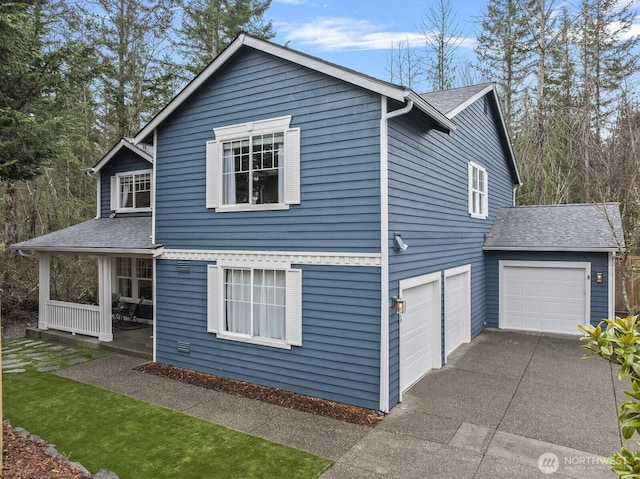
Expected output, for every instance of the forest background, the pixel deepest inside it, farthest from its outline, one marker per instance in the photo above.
(78, 76)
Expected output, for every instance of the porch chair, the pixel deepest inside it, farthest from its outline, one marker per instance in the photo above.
(129, 319)
(117, 308)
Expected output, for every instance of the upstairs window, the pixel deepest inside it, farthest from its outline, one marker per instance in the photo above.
(254, 166)
(478, 192)
(131, 191)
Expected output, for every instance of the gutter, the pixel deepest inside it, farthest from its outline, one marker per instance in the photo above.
(384, 246)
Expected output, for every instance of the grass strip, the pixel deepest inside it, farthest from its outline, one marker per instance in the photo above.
(138, 440)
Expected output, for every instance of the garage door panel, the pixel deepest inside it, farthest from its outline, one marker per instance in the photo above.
(543, 297)
(419, 332)
(457, 308)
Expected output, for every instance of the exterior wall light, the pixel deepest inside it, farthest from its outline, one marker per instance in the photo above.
(400, 305)
(398, 244)
(599, 277)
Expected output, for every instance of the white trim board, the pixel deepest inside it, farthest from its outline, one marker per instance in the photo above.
(275, 257)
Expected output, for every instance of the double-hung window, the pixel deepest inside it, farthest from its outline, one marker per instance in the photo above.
(134, 278)
(255, 305)
(254, 166)
(131, 191)
(478, 191)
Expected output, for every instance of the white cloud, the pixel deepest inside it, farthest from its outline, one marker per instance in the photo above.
(335, 34)
(329, 33)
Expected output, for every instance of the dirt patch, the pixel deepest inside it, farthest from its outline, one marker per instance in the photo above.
(300, 402)
(26, 458)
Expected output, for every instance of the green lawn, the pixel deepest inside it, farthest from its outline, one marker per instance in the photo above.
(137, 440)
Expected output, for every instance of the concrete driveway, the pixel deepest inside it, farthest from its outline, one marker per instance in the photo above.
(510, 404)
(507, 405)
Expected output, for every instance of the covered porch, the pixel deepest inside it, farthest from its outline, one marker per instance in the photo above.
(125, 262)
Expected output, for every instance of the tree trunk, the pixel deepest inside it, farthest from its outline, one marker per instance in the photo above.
(9, 230)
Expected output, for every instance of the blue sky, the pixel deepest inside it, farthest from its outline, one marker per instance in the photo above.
(359, 33)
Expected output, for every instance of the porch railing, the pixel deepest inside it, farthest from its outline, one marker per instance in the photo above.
(73, 318)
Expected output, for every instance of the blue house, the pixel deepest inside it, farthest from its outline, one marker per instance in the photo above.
(299, 225)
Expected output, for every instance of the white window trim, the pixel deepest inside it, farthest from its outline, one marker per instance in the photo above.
(290, 169)
(293, 315)
(115, 190)
(135, 280)
(484, 209)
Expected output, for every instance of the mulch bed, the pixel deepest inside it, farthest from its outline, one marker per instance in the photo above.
(300, 402)
(25, 458)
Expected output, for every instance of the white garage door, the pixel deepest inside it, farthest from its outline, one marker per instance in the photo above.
(420, 334)
(544, 296)
(457, 308)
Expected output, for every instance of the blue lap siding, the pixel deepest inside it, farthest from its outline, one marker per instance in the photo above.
(339, 211)
(340, 354)
(340, 144)
(428, 206)
(125, 161)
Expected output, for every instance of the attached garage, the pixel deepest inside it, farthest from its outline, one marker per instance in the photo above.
(420, 331)
(551, 268)
(457, 308)
(549, 296)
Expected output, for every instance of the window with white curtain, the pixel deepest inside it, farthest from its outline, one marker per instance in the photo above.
(131, 191)
(261, 306)
(254, 166)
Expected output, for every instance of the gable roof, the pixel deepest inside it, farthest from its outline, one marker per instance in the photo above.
(574, 227)
(102, 235)
(455, 100)
(141, 149)
(395, 92)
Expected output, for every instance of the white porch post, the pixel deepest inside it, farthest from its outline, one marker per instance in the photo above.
(44, 293)
(104, 298)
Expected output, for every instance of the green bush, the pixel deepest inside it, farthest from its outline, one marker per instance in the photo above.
(619, 341)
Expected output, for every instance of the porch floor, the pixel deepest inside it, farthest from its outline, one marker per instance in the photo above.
(133, 342)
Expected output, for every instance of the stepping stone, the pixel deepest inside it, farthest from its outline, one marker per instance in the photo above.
(67, 352)
(46, 369)
(14, 371)
(73, 361)
(15, 364)
(55, 347)
(37, 355)
(6, 352)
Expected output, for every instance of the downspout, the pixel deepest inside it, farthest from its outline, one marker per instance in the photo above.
(153, 241)
(384, 246)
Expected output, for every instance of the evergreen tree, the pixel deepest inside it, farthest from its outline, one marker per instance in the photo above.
(208, 26)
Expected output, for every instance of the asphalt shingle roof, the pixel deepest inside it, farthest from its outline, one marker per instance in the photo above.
(447, 100)
(573, 227)
(100, 235)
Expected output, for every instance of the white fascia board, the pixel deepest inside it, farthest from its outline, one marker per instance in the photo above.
(445, 123)
(549, 249)
(350, 76)
(383, 88)
(469, 101)
(387, 89)
(506, 134)
(191, 88)
(116, 149)
(153, 252)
